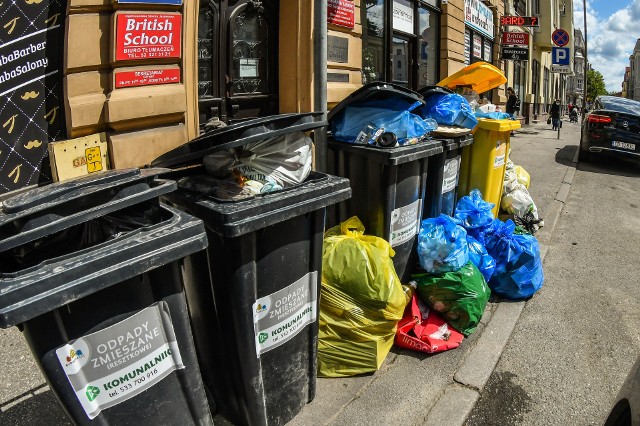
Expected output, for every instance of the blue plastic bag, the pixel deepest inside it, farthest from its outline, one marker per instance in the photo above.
(496, 115)
(473, 212)
(449, 109)
(402, 123)
(518, 273)
(478, 256)
(442, 245)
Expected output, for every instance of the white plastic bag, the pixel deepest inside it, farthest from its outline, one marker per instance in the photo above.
(278, 162)
(518, 201)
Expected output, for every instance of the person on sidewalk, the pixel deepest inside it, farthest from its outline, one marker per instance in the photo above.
(555, 114)
(512, 104)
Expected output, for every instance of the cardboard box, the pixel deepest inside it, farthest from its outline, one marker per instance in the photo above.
(146, 106)
(87, 42)
(78, 157)
(139, 148)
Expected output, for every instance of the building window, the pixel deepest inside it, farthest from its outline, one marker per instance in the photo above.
(400, 41)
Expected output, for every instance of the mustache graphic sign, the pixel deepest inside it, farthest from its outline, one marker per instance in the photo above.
(31, 102)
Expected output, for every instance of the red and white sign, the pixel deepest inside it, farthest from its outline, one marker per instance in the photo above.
(341, 13)
(518, 39)
(147, 77)
(148, 36)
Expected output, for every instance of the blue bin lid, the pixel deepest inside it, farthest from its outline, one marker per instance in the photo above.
(376, 91)
(238, 134)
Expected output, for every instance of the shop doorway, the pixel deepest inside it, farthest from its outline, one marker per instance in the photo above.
(237, 60)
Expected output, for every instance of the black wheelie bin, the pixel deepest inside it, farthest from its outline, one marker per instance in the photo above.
(90, 273)
(253, 296)
(389, 185)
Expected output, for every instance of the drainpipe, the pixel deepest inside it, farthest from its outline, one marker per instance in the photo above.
(320, 79)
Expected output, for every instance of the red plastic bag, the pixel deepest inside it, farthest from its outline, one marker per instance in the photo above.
(423, 330)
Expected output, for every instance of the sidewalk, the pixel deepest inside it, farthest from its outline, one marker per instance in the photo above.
(411, 388)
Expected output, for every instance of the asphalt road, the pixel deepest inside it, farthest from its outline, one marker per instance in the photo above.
(579, 336)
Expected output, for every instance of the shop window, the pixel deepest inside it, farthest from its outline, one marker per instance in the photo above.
(429, 23)
(373, 41)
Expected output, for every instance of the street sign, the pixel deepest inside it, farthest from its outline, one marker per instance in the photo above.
(561, 60)
(515, 53)
(519, 39)
(560, 37)
(520, 21)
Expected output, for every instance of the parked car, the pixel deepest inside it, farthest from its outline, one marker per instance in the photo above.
(626, 409)
(612, 125)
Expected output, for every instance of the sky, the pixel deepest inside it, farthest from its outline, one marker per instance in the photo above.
(613, 27)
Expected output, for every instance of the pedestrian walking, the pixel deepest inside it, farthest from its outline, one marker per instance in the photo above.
(555, 114)
(513, 104)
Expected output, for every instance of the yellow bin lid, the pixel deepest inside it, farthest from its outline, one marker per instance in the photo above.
(497, 125)
(481, 76)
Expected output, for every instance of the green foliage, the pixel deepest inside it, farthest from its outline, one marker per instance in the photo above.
(595, 85)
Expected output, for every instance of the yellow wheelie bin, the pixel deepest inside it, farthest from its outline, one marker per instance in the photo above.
(483, 163)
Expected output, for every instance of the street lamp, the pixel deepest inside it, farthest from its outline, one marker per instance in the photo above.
(586, 61)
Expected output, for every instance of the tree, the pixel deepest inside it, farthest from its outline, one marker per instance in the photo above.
(595, 85)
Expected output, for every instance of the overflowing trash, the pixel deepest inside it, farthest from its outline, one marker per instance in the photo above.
(422, 329)
(478, 256)
(518, 273)
(459, 296)
(361, 301)
(449, 109)
(473, 212)
(517, 201)
(442, 245)
(265, 166)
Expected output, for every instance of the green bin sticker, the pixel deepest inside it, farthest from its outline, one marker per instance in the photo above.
(116, 363)
(405, 223)
(280, 316)
(450, 174)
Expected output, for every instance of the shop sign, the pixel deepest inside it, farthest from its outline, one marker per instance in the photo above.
(338, 49)
(487, 51)
(403, 16)
(477, 46)
(515, 53)
(519, 39)
(479, 17)
(147, 36)
(341, 13)
(147, 77)
(32, 113)
(520, 21)
(467, 47)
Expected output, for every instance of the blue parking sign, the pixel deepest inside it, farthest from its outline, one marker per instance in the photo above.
(560, 55)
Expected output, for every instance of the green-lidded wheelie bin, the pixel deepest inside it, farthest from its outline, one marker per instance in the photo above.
(90, 271)
(253, 295)
(390, 186)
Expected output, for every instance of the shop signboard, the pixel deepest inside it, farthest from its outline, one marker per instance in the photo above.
(31, 103)
(479, 17)
(148, 36)
(516, 38)
(520, 21)
(403, 16)
(515, 53)
(146, 77)
(341, 13)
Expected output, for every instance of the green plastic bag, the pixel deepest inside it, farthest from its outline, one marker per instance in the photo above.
(361, 301)
(459, 296)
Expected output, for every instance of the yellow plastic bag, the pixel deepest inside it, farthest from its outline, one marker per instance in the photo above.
(361, 301)
(522, 176)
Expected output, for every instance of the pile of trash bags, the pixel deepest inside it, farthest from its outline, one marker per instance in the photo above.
(516, 200)
(364, 308)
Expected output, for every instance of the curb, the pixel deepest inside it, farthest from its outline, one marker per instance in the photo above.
(456, 403)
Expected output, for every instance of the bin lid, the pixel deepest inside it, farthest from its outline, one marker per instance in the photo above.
(238, 134)
(481, 76)
(52, 208)
(432, 90)
(497, 125)
(377, 91)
